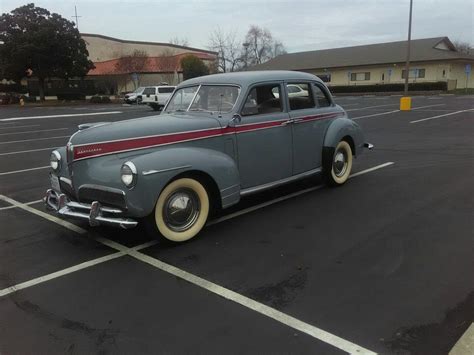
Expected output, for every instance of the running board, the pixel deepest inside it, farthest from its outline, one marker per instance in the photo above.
(255, 189)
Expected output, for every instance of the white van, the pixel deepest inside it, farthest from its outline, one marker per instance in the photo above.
(156, 96)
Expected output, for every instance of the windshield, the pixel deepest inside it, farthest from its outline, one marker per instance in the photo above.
(139, 90)
(211, 98)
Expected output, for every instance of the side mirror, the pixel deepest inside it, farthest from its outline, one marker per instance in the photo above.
(235, 120)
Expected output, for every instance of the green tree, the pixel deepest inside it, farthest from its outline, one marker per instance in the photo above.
(42, 44)
(193, 67)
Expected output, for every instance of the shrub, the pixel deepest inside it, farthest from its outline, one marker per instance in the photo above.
(71, 96)
(97, 99)
(193, 67)
(439, 85)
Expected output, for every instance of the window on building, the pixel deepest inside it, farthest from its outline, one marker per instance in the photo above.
(414, 73)
(322, 96)
(263, 99)
(444, 73)
(300, 96)
(360, 76)
(324, 77)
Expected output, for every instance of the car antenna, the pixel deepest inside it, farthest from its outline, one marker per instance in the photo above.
(220, 105)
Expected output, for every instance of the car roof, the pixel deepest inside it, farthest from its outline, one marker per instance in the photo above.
(245, 78)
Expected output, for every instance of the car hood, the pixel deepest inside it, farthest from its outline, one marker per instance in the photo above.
(144, 127)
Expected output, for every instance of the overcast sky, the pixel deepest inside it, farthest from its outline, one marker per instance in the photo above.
(299, 24)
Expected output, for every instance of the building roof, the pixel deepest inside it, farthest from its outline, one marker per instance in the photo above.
(249, 77)
(426, 49)
(147, 43)
(128, 65)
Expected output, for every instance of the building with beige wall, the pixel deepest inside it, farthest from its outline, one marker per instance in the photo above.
(161, 65)
(432, 60)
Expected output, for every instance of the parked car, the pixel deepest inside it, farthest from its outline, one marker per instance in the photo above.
(293, 91)
(219, 138)
(135, 96)
(156, 96)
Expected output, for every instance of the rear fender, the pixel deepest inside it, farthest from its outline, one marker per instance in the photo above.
(340, 128)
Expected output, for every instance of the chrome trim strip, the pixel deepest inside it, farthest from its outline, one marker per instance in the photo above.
(66, 180)
(230, 187)
(150, 172)
(287, 180)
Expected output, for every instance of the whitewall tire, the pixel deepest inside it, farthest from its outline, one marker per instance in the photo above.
(182, 210)
(341, 164)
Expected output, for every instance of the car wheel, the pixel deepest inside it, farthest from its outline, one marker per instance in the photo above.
(139, 100)
(339, 169)
(155, 107)
(181, 210)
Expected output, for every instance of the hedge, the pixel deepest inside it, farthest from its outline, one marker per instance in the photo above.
(439, 85)
(97, 99)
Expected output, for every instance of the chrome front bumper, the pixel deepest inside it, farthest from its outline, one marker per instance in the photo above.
(94, 213)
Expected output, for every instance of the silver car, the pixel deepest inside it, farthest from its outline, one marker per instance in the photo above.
(220, 137)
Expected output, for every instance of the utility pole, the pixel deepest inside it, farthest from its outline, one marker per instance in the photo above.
(405, 101)
(76, 17)
(407, 64)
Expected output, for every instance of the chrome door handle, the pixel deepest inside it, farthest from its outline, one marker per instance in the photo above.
(287, 122)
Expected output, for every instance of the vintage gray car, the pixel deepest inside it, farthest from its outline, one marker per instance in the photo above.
(219, 137)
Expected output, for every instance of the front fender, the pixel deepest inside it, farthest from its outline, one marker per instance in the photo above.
(341, 127)
(156, 169)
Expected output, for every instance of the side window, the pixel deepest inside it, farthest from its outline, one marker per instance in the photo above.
(263, 99)
(321, 96)
(149, 91)
(300, 96)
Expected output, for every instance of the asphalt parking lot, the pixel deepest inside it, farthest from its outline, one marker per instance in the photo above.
(382, 264)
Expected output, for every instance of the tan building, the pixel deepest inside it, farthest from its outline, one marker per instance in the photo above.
(433, 60)
(162, 62)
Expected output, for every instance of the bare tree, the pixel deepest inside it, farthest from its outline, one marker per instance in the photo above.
(179, 41)
(168, 65)
(261, 45)
(132, 63)
(229, 50)
(464, 47)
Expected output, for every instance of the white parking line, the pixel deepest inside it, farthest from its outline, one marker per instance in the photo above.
(27, 203)
(375, 114)
(28, 151)
(34, 140)
(72, 269)
(439, 116)
(49, 217)
(287, 197)
(15, 127)
(214, 288)
(465, 345)
(58, 116)
(369, 107)
(40, 130)
(420, 107)
(59, 273)
(24, 170)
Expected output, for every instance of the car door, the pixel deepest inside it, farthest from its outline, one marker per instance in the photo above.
(310, 112)
(264, 141)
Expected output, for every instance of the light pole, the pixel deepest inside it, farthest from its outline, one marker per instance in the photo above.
(246, 46)
(405, 101)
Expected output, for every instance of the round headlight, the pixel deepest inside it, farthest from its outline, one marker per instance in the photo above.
(128, 174)
(55, 160)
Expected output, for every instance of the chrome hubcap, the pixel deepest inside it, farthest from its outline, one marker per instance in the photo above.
(340, 163)
(181, 210)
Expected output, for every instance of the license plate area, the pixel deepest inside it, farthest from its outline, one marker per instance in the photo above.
(55, 183)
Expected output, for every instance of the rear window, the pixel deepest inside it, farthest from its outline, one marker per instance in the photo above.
(167, 90)
(149, 91)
